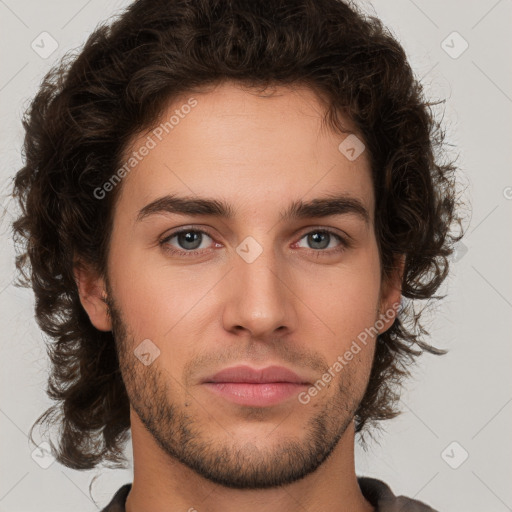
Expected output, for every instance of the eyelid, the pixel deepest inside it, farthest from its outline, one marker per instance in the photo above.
(335, 231)
(305, 230)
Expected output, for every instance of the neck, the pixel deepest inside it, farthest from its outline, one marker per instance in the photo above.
(162, 483)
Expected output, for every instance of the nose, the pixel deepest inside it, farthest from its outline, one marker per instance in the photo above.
(259, 297)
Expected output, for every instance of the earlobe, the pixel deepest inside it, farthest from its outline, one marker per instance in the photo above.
(91, 289)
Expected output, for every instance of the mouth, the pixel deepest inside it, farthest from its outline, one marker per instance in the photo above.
(244, 385)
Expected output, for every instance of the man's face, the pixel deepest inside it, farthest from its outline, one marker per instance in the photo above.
(290, 295)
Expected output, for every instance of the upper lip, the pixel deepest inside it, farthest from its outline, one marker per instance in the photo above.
(252, 375)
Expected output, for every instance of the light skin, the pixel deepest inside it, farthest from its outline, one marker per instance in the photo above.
(299, 304)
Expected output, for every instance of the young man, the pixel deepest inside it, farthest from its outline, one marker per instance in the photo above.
(226, 209)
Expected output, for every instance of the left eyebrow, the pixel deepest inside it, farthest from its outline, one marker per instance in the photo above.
(327, 207)
(316, 208)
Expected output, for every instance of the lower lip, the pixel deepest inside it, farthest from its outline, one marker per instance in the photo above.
(259, 395)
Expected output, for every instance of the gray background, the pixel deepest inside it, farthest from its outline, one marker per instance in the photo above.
(463, 397)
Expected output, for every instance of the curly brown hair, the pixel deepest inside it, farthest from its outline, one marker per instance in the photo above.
(90, 105)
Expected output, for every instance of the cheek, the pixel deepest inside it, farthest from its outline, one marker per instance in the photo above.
(151, 297)
(168, 305)
(155, 308)
(348, 299)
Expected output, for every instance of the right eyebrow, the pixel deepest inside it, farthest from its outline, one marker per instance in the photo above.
(186, 206)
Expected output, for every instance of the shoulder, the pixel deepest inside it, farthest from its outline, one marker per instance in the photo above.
(375, 491)
(381, 496)
(117, 504)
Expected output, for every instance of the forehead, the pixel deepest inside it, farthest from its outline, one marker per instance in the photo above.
(252, 148)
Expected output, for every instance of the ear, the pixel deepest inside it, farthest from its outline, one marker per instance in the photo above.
(92, 292)
(391, 293)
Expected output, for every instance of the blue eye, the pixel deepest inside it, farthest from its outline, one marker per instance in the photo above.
(190, 242)
(317, 239)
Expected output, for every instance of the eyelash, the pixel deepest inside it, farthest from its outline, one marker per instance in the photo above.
(317, 252)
